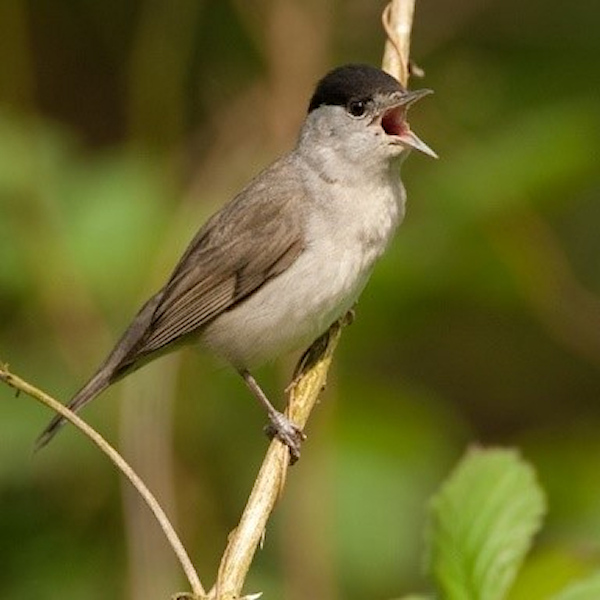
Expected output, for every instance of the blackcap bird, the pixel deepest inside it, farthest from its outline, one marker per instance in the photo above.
(290, 254)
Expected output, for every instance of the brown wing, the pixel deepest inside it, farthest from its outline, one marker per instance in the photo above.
(254, 238)
(218, 278)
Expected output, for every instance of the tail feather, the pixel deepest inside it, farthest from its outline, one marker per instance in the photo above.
(87, 393)
(123, 359)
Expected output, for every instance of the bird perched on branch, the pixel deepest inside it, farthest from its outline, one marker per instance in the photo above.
(290, 254)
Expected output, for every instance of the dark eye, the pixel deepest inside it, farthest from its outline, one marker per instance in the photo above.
(357, 108)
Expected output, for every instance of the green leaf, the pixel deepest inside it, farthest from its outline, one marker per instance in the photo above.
(588, 589)
(482, 524)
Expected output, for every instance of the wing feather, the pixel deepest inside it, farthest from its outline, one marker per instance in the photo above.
(253, 239)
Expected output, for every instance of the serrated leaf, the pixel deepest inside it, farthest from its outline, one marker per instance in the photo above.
(588, 589)
(482, 524)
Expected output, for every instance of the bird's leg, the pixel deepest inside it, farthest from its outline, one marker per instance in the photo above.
(280, 426)
(315, 350)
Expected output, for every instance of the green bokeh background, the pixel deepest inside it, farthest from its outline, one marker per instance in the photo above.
(124, 124)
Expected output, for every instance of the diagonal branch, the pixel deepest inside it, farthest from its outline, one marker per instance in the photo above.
(309, 380)
(21, 385)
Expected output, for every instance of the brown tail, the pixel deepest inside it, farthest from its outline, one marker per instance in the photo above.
(122, 360)
(87, 393)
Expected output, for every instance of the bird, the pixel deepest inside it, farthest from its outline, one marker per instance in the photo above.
(290, 254)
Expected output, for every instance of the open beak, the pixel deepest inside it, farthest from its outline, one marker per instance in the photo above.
(393, 121)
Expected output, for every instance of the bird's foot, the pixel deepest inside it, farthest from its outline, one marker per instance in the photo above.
(286, 432)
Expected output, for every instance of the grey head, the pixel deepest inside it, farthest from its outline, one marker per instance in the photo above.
(358, 113)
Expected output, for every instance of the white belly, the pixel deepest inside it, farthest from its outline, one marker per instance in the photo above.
(294, 308)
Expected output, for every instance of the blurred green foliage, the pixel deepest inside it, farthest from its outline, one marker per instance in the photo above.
(124, 124)
(482, 524)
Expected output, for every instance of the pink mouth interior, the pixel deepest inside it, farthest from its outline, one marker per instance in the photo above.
(393, 121)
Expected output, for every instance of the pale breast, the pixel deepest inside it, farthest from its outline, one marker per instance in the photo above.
(344, 238)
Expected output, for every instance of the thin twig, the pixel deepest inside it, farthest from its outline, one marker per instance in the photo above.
(188, 568)
(309, 381)
(397, 20)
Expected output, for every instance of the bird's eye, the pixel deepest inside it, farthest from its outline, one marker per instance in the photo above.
(357, 108)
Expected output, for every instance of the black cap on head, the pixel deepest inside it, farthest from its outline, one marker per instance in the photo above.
(352, 82)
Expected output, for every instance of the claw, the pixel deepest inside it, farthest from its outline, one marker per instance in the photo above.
(286, 432)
